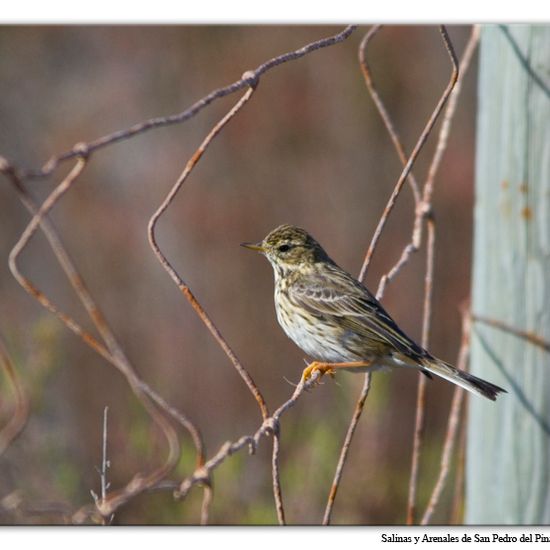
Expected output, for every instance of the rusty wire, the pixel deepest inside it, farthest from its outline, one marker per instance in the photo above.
(85, 297)
(423, 207)
(249, 78)
(531, 337)
(416, 150)
(114, 355)
(359, 406)
(427, 211)
(184, 288)
(457, 509)
(270, 426)
(382, 111)
(422, 212)
(186, 291)
(421, 389)
(103, 507)
(453, 424)
(111, 351)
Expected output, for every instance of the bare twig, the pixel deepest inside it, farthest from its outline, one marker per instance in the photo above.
(18, 418)
(249, 78)
(453, 424)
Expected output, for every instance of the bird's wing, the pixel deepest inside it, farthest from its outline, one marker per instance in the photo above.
(337, 294)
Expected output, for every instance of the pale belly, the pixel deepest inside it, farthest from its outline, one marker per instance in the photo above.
(315, 339)
(318, 340)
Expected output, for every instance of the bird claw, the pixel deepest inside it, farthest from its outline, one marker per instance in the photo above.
(321, 368)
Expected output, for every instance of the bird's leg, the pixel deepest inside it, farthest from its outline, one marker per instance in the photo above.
(329, 368)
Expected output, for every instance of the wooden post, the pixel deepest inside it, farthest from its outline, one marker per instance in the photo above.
(508, 445)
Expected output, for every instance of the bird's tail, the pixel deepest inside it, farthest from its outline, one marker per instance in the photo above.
(460, 378)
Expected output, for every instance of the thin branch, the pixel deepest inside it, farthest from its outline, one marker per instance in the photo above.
(18, 418)
(249, 78)
(452, 426)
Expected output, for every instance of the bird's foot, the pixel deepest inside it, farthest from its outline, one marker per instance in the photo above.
(321, 368)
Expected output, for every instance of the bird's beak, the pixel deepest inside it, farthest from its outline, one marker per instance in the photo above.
(254, 246)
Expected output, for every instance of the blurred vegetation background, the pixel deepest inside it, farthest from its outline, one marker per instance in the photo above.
(308, 149)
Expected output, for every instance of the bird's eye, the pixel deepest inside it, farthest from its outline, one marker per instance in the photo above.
(284, 248)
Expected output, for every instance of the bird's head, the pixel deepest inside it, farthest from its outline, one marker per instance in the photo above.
(289, 248)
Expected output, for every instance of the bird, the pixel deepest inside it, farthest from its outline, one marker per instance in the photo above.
(338, 322)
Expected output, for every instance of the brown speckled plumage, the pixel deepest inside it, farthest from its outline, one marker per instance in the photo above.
(335, 319)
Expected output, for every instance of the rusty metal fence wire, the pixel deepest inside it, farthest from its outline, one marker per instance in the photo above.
(165, 416)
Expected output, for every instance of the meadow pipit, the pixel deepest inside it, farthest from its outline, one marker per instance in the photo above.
(337, 321)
